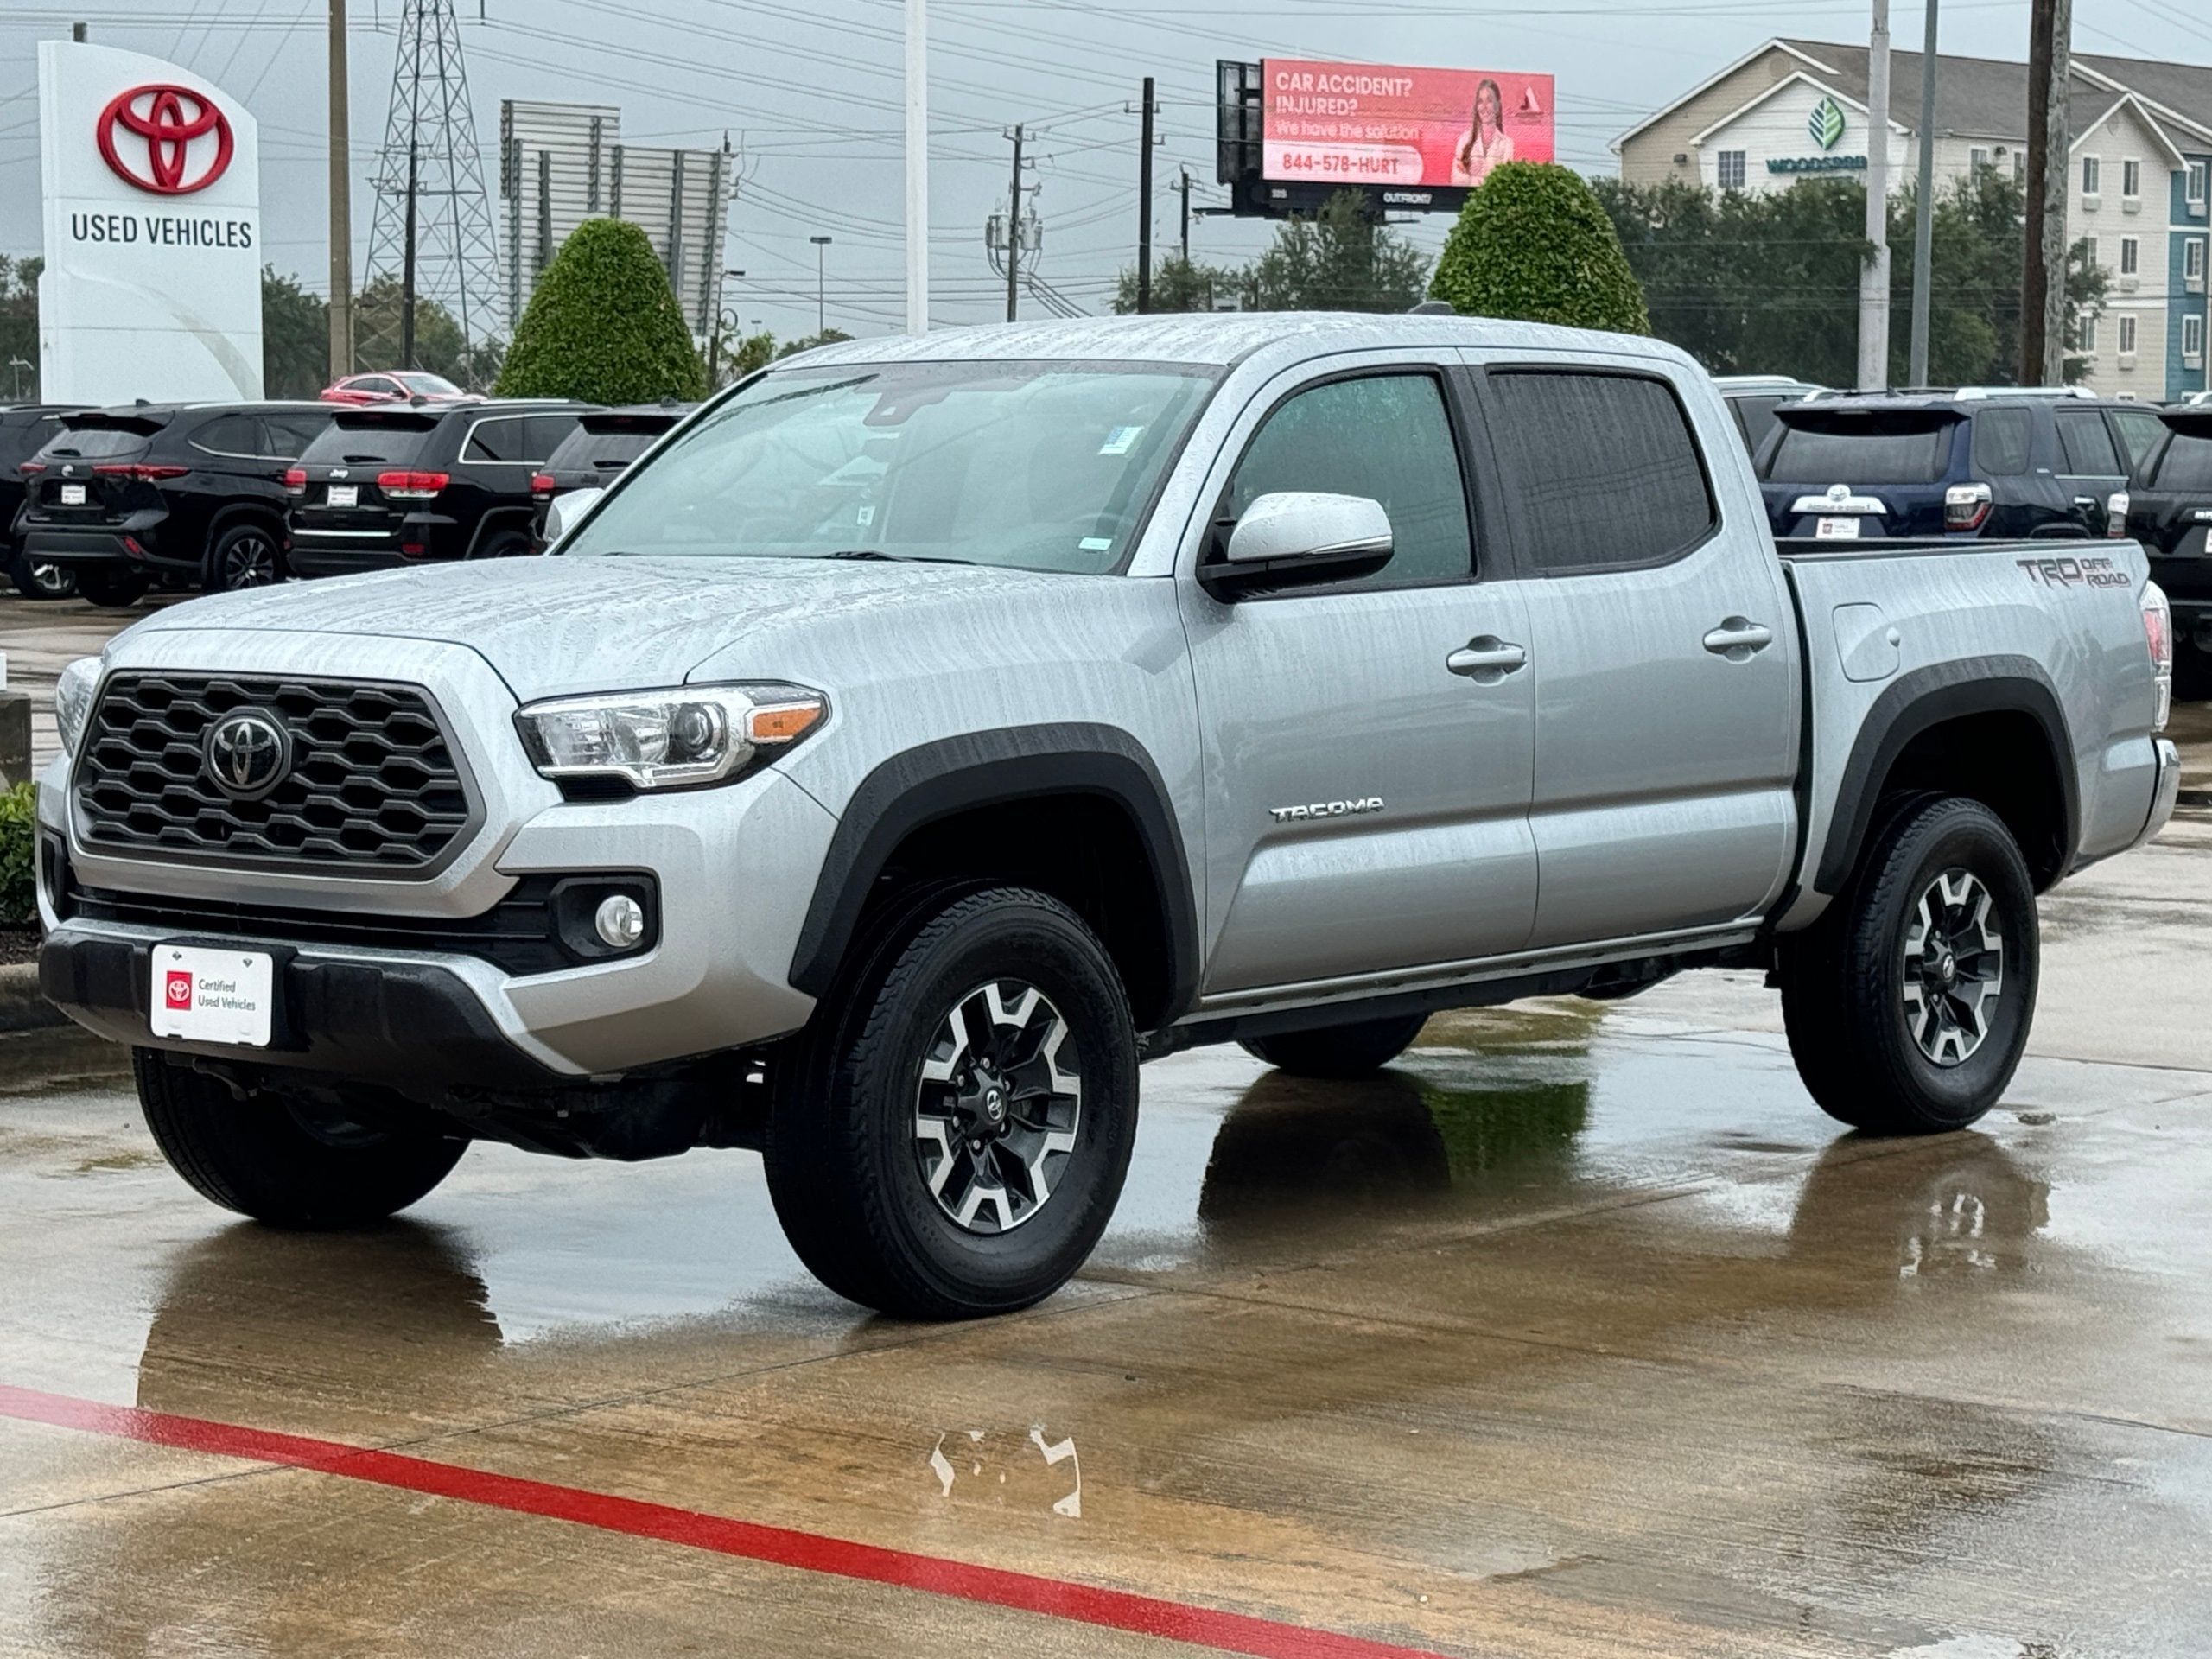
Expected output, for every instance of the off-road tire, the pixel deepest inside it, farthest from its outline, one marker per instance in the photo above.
(277, 1163)
(1353, 1051)
(843, 1165)
(111, 588)
(37, 579)
(245, 554)
(1844, 999)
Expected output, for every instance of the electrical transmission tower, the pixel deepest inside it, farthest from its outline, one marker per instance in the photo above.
(432, 238)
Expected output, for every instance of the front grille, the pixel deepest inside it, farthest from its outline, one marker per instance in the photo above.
(373, 785)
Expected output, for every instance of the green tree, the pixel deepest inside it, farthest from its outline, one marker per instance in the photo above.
(604, 326)
(19, 327)
(439, 345)
(1181, 284)
(807, 342)
(1338, 259)
(294, 338)
(1532, 243)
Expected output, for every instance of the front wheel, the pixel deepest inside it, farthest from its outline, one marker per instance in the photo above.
(112, 587)
(1908, 1006)
(950, 1136)
(283, 1162)
(1355, 1050)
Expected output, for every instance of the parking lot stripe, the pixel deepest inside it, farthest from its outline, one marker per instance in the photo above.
(808, 1551)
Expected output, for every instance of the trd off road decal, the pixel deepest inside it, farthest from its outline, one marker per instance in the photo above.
(2075, 573)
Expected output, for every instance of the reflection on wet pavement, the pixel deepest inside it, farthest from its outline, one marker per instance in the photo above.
(1577, 1332)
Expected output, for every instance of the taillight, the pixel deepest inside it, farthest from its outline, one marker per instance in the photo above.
(2116, 507)
(541, 484)
(2158, 635)
(295, 480)
(31, 468)
(1966, 506)
(412, 487)
(138, 471)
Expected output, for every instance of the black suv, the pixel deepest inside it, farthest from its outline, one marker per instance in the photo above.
(2167, 506)
(396, 483)
(182, 494)
(23, 432)
(2022, 465)
(593, 456)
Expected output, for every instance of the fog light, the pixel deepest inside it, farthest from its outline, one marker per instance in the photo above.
(620, 921)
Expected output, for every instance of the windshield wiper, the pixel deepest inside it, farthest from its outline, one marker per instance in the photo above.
(877, 553)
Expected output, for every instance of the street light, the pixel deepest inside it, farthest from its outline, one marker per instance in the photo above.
(821, 311)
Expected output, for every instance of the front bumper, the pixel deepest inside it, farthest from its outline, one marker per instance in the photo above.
(734, 867)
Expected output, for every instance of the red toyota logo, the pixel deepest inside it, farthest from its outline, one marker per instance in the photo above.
(177, 989)
(155, 117)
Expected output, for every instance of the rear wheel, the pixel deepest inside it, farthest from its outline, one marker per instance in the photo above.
(1353, 1051)
(286, 1163)
(111, 585)
(37, 579)
(247, 555)
(1908, 1006)
(950, 1136)
(503, 544)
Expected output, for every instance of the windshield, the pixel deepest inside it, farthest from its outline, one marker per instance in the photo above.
(1037, 466)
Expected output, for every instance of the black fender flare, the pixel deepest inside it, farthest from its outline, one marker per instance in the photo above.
(269, 514)
(921, 786)
(1925, 698)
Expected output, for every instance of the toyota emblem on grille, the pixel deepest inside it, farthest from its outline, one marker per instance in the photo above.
(247, 756)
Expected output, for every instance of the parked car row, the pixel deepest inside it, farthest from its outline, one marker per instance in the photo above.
(106, 504)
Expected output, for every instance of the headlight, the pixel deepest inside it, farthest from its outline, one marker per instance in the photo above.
(674, 738)
(73, 699)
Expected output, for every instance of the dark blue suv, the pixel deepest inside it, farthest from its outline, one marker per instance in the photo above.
(1997, 463)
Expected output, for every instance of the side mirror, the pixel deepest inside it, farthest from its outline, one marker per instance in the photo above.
(564, 511)
(1295, 538)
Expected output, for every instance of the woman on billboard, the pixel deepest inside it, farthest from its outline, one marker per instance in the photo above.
(1487, 142)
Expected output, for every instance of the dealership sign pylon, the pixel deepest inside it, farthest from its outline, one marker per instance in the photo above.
(152, 181)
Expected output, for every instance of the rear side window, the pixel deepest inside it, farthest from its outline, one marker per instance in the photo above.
(1386, 436)
(2186, 465)
(2137, 432)
(2086, 443)
(1603, 469)
(286, 436)
(543, 433)
(584, 449)
(2001, 440)
(1755, 418)
(1901, 447)
(521, 438)
(344, 444)
(229, 435)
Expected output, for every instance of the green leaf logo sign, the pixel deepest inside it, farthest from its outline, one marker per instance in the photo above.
(1825, 125)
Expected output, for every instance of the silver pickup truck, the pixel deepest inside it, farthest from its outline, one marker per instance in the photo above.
(927, 731)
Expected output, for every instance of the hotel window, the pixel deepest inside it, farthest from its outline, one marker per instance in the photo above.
(2088, 175)
(2192, 338)
(2087, 336)
(2196, 177)
(2127, 333)
(2192, 259)
(2131, 178)
(2130, 256)
(1977, 160)
(1732, 169)
(2090, 253)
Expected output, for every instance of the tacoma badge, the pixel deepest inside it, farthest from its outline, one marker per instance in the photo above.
(1325, 810)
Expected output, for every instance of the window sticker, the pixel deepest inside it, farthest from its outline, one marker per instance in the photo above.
(1121, 440)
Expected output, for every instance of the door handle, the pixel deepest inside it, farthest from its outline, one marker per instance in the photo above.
(1739, 639)
(1486, 660)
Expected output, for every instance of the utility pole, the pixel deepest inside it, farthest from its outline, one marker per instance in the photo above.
(820, 300)
(407, 265)
(342, 202)
(77, 32)
(1013, 229)
(1874, 277)
(1924, 217)
(1144, 206)
(1185, 188)
(2043, 294)
(918, 168)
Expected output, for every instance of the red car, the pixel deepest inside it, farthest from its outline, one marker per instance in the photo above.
(399, 386)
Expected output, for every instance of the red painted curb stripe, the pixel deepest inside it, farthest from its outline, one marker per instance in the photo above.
(810, 1552)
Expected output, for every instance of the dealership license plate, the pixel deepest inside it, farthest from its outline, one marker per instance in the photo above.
(345, 495)
(1836, 530)
(72, 495)
(210, 995)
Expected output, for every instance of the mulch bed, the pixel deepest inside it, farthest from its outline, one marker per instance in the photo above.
(18, 945)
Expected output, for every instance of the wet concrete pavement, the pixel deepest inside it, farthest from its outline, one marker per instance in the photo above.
(1581, 1333)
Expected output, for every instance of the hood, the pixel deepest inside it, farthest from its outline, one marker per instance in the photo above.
(553, 626)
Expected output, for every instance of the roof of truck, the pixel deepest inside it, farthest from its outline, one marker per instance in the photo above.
(1220, 339)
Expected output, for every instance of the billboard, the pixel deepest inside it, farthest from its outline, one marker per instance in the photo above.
(1371, 126)
(152, 184)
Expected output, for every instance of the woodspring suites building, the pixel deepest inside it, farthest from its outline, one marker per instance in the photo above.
(2137, 181)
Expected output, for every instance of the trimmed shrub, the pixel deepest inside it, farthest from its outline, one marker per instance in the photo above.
(604, 326)
(1532, 243)
(18, 836)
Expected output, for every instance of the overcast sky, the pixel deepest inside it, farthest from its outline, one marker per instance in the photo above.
(809, 92)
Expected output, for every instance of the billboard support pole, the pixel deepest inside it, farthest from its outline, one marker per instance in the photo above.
(1013, 228)
(1874, 275)
(1144, 206)
(918, 168)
